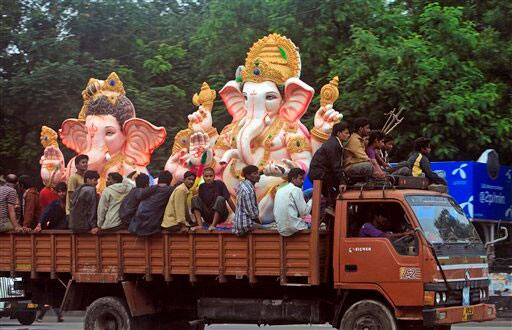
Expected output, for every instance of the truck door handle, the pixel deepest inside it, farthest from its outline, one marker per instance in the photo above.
(350, 268)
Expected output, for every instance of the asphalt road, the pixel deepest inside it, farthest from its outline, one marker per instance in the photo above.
(75, 323)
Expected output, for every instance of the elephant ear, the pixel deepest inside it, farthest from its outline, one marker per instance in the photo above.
(142, 138)
(297, 95)
(233, 99)
(73, 134)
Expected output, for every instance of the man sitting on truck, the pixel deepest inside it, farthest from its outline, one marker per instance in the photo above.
(378, 226)
(210, 203)
(148, 218)
(375, 144)
(177, 212)
(420, 164)
(290, 206)
(110, 202)
(131, 202)
(356, 162)
(247, 213)
(326, 164)
(82, 214)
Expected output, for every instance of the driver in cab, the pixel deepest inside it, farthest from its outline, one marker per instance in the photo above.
(378, 226)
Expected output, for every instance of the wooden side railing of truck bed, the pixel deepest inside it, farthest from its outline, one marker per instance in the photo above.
(110, 257)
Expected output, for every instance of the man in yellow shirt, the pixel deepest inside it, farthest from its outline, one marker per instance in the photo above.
(356, 162)
(177, 213)
(77, 179)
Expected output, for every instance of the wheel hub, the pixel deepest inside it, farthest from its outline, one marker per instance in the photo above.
(367, 322)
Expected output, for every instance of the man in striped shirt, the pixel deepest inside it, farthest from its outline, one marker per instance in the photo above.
(247, 212)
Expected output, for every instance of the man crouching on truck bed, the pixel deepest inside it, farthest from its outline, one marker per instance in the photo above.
(177, 212)
(247, 212)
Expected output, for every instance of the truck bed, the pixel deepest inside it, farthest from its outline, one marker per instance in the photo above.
(111, 257)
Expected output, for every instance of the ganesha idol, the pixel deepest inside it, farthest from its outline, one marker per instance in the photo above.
(106, 130)
(266, 101)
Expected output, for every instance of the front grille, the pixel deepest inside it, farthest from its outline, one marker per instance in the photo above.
(454, 297)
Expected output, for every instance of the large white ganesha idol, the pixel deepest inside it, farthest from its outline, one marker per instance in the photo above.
(266, 101)
(106, 130)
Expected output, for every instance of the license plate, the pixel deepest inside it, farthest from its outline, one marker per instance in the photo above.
(31, 306)
(466, 296)
(467, 313)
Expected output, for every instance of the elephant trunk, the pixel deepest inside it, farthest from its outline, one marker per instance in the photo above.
(252, 128)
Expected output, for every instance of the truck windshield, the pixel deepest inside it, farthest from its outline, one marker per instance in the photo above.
(442, 220)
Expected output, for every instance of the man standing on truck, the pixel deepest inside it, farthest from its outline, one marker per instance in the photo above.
(131, 202)
(148, 218)
(8, 202)
(54, 215)
(247, 213)
(420, 164)
(31, 208)
(82, 213)
(290, 206)
(110, 202)
(177, 212)
(76, 179)
(327, 163)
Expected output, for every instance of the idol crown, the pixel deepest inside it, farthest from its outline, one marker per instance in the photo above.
(112, 88)
(272, 58)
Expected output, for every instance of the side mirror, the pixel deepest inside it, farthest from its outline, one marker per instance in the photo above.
(504, 237)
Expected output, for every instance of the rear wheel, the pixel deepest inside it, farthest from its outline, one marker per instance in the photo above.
(368, 315)
(108, 313)
(26, 317)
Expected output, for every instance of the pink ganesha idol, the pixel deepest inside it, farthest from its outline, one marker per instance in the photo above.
(107, 131)
(266, 102)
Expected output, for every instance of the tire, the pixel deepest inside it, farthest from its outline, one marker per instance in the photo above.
(26, 317)
(108, 313)
(368, 314)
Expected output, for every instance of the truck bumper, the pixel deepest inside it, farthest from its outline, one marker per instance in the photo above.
(459, 314)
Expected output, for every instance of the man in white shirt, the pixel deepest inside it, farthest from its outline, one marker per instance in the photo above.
(290, 206)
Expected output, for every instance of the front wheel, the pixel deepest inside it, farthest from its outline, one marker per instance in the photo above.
(108, 313)
(26, 317)
(368, 315)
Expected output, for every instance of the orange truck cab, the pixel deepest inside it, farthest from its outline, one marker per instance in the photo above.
(438, 274)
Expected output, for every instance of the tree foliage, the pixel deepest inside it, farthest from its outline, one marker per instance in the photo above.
(448, 63)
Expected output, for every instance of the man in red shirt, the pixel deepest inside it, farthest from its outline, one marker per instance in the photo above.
(46, 196)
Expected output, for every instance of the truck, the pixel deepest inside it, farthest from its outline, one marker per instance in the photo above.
(431, 279)
(14, 303)
(483, 189)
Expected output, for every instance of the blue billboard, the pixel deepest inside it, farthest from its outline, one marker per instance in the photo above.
(480, 196)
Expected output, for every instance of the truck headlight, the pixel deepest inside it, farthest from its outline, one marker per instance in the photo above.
(443, 297)
(438, 298)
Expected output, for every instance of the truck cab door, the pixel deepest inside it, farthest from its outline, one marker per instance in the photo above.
(375, 263)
